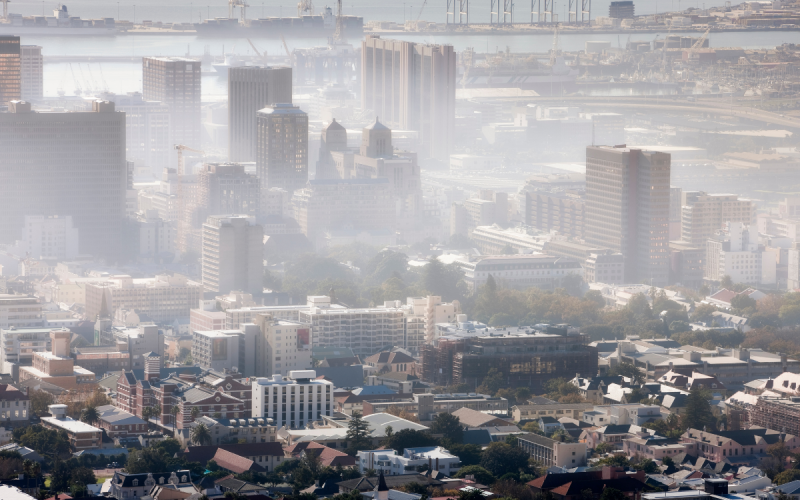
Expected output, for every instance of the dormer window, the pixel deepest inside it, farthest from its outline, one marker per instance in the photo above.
(183, 479)
(161, 480)
(135, 482)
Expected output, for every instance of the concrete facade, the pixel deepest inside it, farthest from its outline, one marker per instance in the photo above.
(232, 257)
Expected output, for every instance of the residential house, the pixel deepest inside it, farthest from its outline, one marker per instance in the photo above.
(266, 455)
(131, 486)
(328, 456)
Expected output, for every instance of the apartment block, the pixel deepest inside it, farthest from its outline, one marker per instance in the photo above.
(736, 252)
(282, 147)
(32, 72)
(74, 166)
(20, 311)
(552, 453)
(232, 257)
(148, 132)
(226, 350)
(627, 208)
(282, 346)
(18, 345)
(392, 87)
(487, 208)
(365, 331)
(563, 211)
(175, 81)
(251, 88)
(363, 205)
(293, 401)
(156, 236)
(163, 298)
(703, 214)
(492, 240)
(10, 69)
(57, 367)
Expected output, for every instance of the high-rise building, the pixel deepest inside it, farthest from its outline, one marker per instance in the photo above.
(281, 345)
(232, 256)
(333, 138)
(293, 401)
(10, 69)
(147, 129)
(412, 86)
(175, 81)
(163, 298)
(32, 71)
(704, 214)
(74, 165)
(627, 209)
(251, 88)
(282, 151)
(224, 188)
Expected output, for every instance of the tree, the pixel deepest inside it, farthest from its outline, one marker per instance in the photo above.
(500, 458)
(40, 400)
(358, 434)
(90, 415)
(779, 452)
(702, 313)
(612, 494)
(449, 426)
(629, 370)
(468, 454)
(145, 460)
(743, 303)
(409, 438)
(602, 448)
(787, 476)
(492, 382)
(444, 281)
(169, 446)
(698, 411)
(647, 465)
(482, 475)
(201, 435)
(726, 282)
(195, 413)
(83, 476)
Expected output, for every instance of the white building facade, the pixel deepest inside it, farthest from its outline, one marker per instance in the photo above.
(736, 252)
(292, 401)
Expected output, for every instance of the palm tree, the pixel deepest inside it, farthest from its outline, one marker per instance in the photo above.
(200, 434)
(90, 415)
(195, 413)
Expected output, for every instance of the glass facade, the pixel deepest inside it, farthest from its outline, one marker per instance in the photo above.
(10, 70)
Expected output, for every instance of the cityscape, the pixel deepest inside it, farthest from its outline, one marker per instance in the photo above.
(370, 250)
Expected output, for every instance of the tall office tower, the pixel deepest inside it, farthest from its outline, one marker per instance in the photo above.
(412, 86)
(224, 188)
(332, 138)
(32, 70)
(175, 81)
(282, 153)
(627, 209)
(10, 71)
(73, 164)
(704, 214)
(232, 257)
(251, 88)
(147, 131)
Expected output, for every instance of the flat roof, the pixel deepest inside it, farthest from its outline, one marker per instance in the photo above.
(70, 425)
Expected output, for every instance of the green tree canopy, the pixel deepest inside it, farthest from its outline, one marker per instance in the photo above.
(449, 426)
(482, 475)
(409, 438)
(501, 458)
(358, 434)
(698, 413)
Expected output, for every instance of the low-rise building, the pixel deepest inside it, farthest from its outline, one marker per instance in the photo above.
(20, 311)
(57, 367)
(124, 485)
(252, 430)
(652, 447)
(553, 453)
(411, 461)
(556, 410)
(81, 436)
(14, 406)
(119, 423)
(427, 406)
(519, 271)
(742, 446)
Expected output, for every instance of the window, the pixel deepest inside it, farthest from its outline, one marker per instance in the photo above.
(136, 482)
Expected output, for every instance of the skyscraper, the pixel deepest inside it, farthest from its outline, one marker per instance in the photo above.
(282, 159)
(251, 88)
(232, 254)
(64, 164)
(10, 72)
(412, 86)
(147, 125)
(627, 208)
(175, 81)
(32, 71)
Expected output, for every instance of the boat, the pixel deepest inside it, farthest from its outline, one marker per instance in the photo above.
(321, 25)
(60, 23)
(231, 61)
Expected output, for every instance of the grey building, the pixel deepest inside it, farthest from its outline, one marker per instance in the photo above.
(74, 165)
(175, 81)
(10, 69)
(32, 72)
(251, 88)
(232, 257)
(627, 209)
(282, 151)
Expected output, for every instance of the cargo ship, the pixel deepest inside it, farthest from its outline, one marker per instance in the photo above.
(317, 26)
(60, 23)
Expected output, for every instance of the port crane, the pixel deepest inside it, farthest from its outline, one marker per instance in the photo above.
(232, 4)
(338, 34)
(262, 55)
(180, 218)
(305, 7)
(424, 3)
(5, 9)
(78, 89)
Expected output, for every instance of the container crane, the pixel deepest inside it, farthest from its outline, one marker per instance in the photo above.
(232, 4)
(424, 3)
(180, 148)
(78, 89)
(305, 6)
(5, 9)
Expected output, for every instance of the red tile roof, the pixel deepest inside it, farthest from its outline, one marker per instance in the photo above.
(235, 463)
(328, 456)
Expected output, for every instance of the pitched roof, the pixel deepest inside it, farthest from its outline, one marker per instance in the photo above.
(237, 485)
(235, 463)
(328, 456)
(11, 393)
(389, 357)
(369, 483)
(203, 454)
(474, 418)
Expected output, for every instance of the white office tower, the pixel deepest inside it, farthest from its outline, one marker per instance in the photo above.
(292, 401)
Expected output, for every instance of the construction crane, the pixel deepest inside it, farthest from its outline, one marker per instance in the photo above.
(424, 3)
(263, 55)
(180, 148)
(698, 44)
(232, 4)
(305, 6)
(337, 35)
(286, 47)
